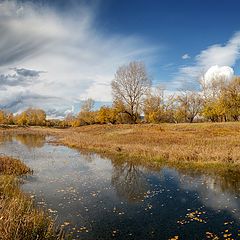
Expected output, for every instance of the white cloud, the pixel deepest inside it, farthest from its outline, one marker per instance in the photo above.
(221, 55)
(185, 56)
(216, 73)
(218, 54)
(79, 60)
(212, 193)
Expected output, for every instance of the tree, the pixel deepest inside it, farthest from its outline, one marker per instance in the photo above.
(230, 99)
(213, 86)
(154, 109)
(87, 115)
(87, 105)
(107, 115)
(35, 116)
(214, 110)
(190, 105)
(32, 117)
(9, 118)
(2, 117)
(129, 87)
(225, 105)
(21, 119)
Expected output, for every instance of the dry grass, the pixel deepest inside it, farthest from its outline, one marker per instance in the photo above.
(19, 219)
(11, 166)
(205, 142)
(199, 144)
(153, 143)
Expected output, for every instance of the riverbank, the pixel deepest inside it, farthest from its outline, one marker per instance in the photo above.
(19, 219)
(216, 148)
(202, 143)
(212, 145)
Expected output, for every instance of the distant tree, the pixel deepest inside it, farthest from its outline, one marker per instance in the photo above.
(87, 105)
(2, 117)
(86, 115)
(9, 117)
(129, 87)
(36, 116)
(154, 108)
(107, 115)
(212, 88)
(190, 105)
(230, 99)
(224, 105)
(70, 120)
(21, 119)
(32, 117)
(213, 110)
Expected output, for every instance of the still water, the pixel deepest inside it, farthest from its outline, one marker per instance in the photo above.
(97, 198)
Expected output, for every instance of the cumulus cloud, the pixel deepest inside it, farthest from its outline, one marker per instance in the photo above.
(185, 56)
(217, 54)
(79, 60)
(216, 73)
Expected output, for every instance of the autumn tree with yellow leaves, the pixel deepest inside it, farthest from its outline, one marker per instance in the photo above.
(31, 117)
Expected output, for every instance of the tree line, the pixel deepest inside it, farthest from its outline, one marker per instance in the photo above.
(135, 100)
(29, 117)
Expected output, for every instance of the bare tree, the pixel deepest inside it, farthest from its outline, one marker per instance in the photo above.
(212, 88)
(87, 115)
(87, 105)
(130, 85)
(191, 103)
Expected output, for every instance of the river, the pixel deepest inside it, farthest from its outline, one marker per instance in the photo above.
(97, 198)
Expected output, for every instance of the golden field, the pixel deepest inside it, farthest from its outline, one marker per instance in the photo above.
(151, 144)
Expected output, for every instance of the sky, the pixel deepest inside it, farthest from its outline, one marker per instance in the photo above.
(55, 54)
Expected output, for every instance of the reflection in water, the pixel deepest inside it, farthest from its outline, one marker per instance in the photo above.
(95, 198)
(230, 181)
(212, 193)
(227, 181)
(29, 140)
(129, 181)
(5, 138)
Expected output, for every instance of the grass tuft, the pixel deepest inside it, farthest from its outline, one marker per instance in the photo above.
(11, 166)
(19, 219)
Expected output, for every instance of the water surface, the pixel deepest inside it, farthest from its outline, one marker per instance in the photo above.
(97, 198)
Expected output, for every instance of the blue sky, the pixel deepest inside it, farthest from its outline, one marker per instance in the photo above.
(54, 54)
(177, 26)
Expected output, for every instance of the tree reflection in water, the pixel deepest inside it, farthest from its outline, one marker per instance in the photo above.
(129, 181)
(30, 140)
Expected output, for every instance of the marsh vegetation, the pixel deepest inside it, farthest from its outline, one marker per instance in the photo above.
(202, 143)
(19, 218)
